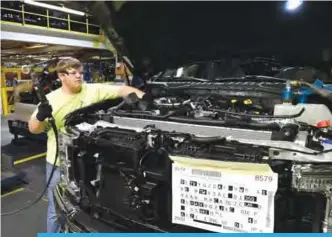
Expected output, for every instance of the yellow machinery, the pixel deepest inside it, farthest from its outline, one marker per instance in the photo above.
(7, 90)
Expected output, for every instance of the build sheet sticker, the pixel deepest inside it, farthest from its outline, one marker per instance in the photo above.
(223, 200)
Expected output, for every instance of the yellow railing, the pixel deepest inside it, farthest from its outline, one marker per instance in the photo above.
(21, 16)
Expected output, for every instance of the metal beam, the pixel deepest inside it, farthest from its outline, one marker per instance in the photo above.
(5, 35)
(45, 36)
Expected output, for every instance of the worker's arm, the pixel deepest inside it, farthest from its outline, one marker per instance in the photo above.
(36, 126)
(37, 123)
(126, 90)
(116, 91)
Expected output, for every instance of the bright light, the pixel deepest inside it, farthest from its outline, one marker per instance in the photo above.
(179, 72)
(292, 5)
(63, 9)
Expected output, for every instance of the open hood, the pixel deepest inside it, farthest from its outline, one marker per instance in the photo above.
(174, 33)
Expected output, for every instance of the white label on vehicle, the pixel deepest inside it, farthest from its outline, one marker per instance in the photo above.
(222, 200)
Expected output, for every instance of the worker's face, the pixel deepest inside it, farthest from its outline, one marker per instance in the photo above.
(73, 79)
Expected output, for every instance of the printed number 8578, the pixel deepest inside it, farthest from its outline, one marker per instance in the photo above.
(263, 178)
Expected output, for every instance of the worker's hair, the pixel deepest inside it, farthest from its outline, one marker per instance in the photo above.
(68, 63)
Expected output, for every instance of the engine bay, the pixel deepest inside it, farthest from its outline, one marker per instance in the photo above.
(200, 160)
(246, 104)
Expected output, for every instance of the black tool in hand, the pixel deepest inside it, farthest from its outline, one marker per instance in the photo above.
(142, 104)
(44, 108)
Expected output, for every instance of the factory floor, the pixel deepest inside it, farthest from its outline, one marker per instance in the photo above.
(31, 221)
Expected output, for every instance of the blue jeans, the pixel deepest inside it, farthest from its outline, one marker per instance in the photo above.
(53, 226)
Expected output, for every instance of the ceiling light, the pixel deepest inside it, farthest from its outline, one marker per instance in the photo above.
(292, 5)
(49, 6)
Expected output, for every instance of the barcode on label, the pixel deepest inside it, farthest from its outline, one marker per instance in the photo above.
(209, 173)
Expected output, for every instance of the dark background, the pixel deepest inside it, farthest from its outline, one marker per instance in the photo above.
(174, 33)
(171, 33)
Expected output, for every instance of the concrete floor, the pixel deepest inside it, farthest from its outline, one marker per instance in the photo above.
(31, 221)
(5, 135)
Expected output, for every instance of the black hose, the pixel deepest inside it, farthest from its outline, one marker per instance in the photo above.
(193, 86)
(260, 116)
(233, 123)
(143, 113)
(207, 139)
(72, 130)
(252, 78)
(220, 138)
(52, 122)
(117, 106)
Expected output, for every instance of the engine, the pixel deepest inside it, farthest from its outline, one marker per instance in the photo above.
(200, 160)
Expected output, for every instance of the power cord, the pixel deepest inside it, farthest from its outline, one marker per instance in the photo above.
(43, 100)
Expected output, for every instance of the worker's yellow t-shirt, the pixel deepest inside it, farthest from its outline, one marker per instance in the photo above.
(63, 104)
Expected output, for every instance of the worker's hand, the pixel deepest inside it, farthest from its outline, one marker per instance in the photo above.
(131, 99)
(146, 102)
(44, 111)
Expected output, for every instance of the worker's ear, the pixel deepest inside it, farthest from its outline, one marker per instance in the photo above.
(61, 75)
